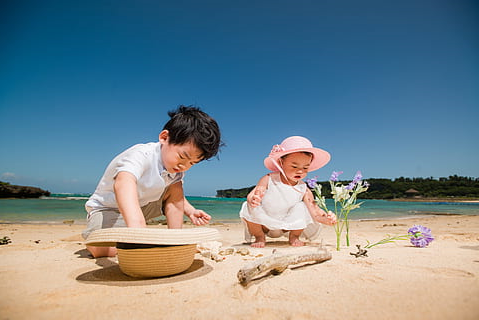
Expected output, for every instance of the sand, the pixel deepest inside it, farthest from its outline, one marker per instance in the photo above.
(45, 273)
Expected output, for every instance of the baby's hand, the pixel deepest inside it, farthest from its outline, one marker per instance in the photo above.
(327, 218)
(331, 217)
(255, 198)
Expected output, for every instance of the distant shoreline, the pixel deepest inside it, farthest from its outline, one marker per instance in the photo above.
(472, 200)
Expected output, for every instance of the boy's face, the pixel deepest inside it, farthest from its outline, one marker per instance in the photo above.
(296, 165)
(178, 157)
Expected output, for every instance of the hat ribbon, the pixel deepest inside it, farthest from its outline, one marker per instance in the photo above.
(276, 149)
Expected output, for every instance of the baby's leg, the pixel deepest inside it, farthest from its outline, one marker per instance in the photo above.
(294, 238)
(258, 231)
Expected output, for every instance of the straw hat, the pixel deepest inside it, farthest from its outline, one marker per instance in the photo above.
(153, 252)
(296, 144)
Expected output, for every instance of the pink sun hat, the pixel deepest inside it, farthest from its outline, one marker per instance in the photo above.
(296, 144)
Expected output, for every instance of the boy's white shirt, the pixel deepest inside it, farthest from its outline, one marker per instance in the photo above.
(144, 162)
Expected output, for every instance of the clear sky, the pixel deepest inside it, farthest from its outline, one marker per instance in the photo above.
(390, 88)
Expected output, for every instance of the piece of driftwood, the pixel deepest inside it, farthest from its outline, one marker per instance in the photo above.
(277, 263)
(360, 253)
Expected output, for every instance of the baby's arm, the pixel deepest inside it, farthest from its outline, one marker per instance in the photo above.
(127, 198)
(316, 212)
(256, 195)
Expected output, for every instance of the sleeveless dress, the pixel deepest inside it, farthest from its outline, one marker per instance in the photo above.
(282, 208)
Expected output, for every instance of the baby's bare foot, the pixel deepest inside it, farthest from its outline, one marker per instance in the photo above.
(258, 244)
(295, 242)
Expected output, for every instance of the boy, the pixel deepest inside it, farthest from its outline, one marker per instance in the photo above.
(146, 180)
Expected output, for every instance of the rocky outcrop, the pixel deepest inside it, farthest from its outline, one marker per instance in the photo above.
(233, 193)
(8, 190)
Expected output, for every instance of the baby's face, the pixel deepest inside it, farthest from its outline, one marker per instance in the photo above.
(179, 157)
(296, 165)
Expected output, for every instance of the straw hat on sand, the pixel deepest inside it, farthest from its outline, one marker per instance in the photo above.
(153, 252)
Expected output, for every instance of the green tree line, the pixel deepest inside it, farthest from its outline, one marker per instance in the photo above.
(444, 187)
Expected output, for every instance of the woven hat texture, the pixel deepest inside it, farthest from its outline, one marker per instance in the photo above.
(110, 236)
(156, 262)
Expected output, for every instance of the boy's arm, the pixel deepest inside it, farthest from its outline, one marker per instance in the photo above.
(197, 217)
(174, 205)
(126, 194)
(316, 212)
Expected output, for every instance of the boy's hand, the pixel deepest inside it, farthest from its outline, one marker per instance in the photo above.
(199, 217)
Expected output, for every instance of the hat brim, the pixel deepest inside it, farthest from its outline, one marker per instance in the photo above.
(111, 236)
(320, 158)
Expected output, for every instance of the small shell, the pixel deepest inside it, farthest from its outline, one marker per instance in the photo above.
(227, 251)
(243, 251)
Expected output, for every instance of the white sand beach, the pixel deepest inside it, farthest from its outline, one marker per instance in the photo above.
(45, 273)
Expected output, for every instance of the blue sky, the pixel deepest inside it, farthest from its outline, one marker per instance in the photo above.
(390, 88)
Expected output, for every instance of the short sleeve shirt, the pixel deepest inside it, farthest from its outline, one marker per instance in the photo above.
(144, 162)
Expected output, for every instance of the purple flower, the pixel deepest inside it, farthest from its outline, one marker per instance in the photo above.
(356, 180)
(357, 177)
(366, 184)
(312, 182)
(420, 236)
(350, 186)
(335, 175)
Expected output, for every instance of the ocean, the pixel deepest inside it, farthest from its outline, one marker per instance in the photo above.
(62, 207)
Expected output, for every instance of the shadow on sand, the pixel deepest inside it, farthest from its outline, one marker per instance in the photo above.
(111, 275)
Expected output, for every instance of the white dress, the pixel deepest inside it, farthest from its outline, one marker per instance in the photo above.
(282, 208)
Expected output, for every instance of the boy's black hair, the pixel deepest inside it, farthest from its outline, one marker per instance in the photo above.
(190, 124)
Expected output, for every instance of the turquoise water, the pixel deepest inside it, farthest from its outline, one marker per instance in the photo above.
(71, 207)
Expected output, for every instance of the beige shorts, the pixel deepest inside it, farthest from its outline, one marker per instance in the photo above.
(112, 218)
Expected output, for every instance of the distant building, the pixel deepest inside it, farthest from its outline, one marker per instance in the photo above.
(412, 193)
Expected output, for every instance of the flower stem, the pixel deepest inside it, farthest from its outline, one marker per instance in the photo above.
(338, 241)
(347, 231)
(388, 239)
(346, 220)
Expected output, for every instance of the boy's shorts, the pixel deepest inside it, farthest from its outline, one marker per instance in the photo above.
(112, 218)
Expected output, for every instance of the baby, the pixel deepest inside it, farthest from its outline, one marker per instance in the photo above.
(281, 201)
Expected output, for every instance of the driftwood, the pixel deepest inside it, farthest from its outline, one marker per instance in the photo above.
(277, 263)
(360, 253)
